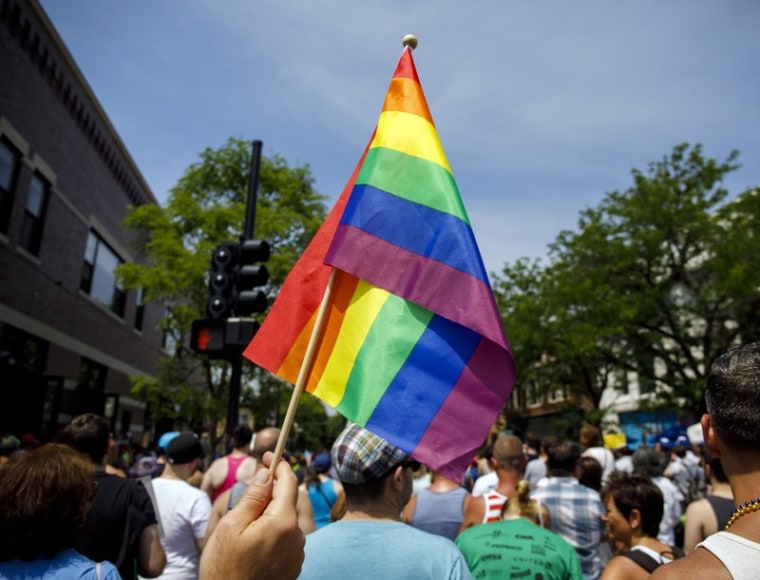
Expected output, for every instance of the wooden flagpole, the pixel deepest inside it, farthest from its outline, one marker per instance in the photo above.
(302, 374)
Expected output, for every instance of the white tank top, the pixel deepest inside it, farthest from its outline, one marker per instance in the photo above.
(739, 555)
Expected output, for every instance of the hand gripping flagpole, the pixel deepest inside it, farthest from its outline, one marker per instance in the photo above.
(411, 41)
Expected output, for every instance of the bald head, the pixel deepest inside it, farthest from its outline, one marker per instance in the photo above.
(264, 440)
(508, 453)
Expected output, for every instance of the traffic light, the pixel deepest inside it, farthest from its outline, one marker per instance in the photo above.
(236, 272)
(251, 274)
(221, 281)
(222, 339)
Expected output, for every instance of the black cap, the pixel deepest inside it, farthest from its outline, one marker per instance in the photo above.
(183, 449)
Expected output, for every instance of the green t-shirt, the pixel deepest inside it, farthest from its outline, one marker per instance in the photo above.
(518, 549)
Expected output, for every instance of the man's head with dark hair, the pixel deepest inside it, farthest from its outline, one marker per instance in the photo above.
(635, 492)
(732, 396)
(241, 437)
(89, 434)
(532, 440)
(679, 451)
(562, 458)
(590, 473)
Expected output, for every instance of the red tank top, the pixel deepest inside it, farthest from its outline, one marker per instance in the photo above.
(233, 464)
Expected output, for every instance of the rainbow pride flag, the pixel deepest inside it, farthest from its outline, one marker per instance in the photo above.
(412, 345)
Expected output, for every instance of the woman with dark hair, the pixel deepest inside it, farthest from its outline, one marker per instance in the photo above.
(324, 492)
(45, 497)
(634, 507)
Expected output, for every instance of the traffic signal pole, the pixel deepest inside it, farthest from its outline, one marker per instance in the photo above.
(253, 189)
(233, 406)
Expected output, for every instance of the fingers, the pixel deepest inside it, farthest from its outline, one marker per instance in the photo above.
(285, 493)
(275, 498)
(255, 499)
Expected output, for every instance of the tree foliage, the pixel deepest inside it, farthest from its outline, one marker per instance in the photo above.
(654, 284)
(174, 244)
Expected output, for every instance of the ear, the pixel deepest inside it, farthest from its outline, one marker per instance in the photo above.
(709, 435)
(397, 479)
(635, 518)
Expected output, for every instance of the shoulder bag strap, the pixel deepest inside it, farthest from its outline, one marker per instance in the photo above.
(644, 560)
(324, 495)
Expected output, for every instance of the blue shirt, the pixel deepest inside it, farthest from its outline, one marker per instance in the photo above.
(66, 565)
(380, 549)
(323, 497)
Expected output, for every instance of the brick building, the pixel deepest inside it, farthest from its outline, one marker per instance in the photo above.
(70, 336)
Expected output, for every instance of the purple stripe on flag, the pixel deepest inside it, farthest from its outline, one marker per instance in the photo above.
(439, 288)
(471, 402)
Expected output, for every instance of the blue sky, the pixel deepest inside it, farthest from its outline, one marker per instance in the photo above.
(542, 107)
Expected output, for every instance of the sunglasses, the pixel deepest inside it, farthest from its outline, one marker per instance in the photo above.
(411, 463)
(414, 465)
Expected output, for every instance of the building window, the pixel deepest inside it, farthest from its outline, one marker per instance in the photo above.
(99, 275)
(92, 375)
(533, 395)
(139, 309)
(21, 349)
(91, 382)
(34, 215)
(9, 163)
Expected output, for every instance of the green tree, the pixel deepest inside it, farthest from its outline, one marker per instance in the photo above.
(656, 282)
(174, 244)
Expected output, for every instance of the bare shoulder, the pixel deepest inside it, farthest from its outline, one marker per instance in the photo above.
(622, 567)
(699, 507)
(699, 564)
(247, 469)
(473, 513)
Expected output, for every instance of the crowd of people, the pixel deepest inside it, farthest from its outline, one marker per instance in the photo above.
(552, 508)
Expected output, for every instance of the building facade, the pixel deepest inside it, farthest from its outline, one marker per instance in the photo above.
(70, 335)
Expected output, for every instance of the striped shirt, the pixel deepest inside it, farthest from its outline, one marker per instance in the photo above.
(494, 502)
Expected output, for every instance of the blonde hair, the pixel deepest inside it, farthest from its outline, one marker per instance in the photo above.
(521, 505)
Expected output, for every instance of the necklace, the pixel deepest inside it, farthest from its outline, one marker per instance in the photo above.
(747, 507)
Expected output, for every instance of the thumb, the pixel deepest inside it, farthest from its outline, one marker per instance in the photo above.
(256, 498)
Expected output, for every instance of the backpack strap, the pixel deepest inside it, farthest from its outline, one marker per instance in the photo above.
(644, 560)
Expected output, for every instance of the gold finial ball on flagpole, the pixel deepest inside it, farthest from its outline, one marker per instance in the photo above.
(411, 41)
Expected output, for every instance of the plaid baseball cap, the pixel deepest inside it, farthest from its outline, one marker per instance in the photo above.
(360, 456)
